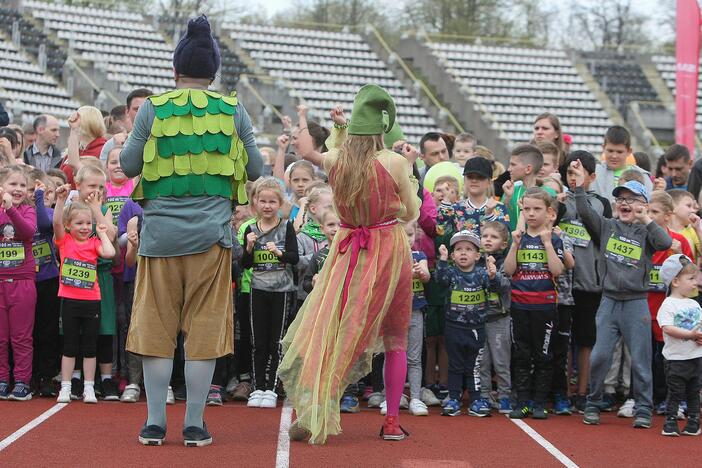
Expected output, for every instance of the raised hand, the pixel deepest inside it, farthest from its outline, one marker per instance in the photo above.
(38, 185)
(659, 184)
(283, 141)
(271, 247)
(133, 238)
(6, 200)
(302, 111)
(337, 116)
(508, 189)
(491, 266)
(101, 228)
(641, 213)
(546, 236)
(517, 236)
(251, 239)
(287, 123)
(74, 121)
(94, 200)
(490, 205)
(676, 246)
(578, 173)
(62, 192)
(443, 253)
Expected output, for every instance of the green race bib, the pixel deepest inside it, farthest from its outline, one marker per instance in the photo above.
(532, 259)
(467, 298)
(11, 254)
(266, 261)
(115, 204)
(417, 286)
(78, 274)
(42, 252)
(655, 284)
(623, 250)
(577, 232)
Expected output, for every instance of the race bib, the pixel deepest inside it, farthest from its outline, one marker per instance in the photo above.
(266, 261)
(11, 254)
(115, 204)
(78, 274)
(532, 260)
(467, 298)
(42, 252)
(623, 250)
(417, 286)
(494, 300)
(576, 231)
(655, 284)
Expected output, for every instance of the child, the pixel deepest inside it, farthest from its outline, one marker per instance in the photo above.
(498, 324)
(551, 154)
(18, 296)
(616, 148)
(685, 220)
(661, 210)
(465, 318)
(463, 149)
(119, 187)
(415, 340)
(79, 290)
(627, 245)
(587, 286)
(524, 164)
(681, 319)
(534, 260)
(330, 224)
(46, 319)
(271, 250)
(446, 190)
(301, 173)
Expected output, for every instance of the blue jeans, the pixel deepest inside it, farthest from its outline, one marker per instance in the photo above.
(632, 321)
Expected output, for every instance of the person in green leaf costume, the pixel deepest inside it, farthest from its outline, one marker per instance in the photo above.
(194, 150)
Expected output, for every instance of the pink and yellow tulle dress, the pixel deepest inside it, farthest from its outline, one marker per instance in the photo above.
(360, 305)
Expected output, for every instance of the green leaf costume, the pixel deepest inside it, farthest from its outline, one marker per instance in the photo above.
(193, 148)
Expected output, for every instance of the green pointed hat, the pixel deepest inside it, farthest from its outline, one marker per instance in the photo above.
(395, 134)
(367, 114)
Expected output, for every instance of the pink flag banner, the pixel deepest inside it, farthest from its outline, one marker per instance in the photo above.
(687, 56)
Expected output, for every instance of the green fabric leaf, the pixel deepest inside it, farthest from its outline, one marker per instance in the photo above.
(181, 184)
(150, 150)
(197, 184)
(181, 110)
(180, 144)
(212, 105)
(226, 107)
(161, 99)
(225, 143)
(210, 142)
(163, 147)
(157, 128)
(186, 125)
(164, 111)
(214, 164)
(165, 167)
(226, 124)
(212, 122)
(198, 112)
(200, 125)
(213, 185)
(241, 193)
(198, 163)
(198, 99)
(150, 171)
(181, 165)
(226, 166)
(171, 126)
(182, 98)
(195, 144)
(165, 186)
(231, 100)
(150, 189)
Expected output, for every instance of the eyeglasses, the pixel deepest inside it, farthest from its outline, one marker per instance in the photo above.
(627, 200)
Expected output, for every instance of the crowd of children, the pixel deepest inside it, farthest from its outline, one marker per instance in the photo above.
(526, 282)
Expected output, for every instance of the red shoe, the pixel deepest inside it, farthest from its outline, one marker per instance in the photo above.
(392, 430)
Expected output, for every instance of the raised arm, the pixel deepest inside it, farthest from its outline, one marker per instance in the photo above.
(61, 195)
(73, 150)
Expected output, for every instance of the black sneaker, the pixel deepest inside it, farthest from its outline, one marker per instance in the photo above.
(642, 421)
(152, 435)
(46, 387)
(580, 402)
(76, 389)
(180, 393)
(609, 401)
(538, 411)
(520, 411)
(591, 415)
(194, 436)
(670, 427)
(692, 427)
(110, 392)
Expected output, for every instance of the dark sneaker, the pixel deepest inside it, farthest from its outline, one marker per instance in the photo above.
(4, 390)
(580, 402)
(349, 404)
(591, 415)
(609, 400)
(110, 392)
(194, 436)
(46, 387)
(214, 396)
(21, 392)
(642, 421)
(452, 408)
(76, 389)
(180, 393)
(561, 405)
(152, 435)
(538, 411)
(520, 411)
(670, 427)
(692, 428)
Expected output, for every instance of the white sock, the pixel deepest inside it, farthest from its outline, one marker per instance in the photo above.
(89, 383)
(66, 384)
(104, 377)
(76, 374)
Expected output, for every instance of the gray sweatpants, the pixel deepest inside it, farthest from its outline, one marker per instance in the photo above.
(415, 340)
(497, 354)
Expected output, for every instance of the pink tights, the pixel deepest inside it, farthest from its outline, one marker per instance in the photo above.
(395, 373)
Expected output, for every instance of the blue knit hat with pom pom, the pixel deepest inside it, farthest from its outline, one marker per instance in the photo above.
(197, 53)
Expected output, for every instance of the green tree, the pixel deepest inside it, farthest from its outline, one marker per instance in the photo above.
(609, 24)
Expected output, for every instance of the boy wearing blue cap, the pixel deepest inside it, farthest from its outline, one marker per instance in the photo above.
(627, 245)
(680, 318)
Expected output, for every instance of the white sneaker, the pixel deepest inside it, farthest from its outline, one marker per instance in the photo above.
(64, 395)
(384, 408)
(269, 399)
(418, 408)
(170, 398)
(681, 413)
(255, 399)
(375, 399)
(89, 394)
(131, 394)
(428, 398)
(627, 409)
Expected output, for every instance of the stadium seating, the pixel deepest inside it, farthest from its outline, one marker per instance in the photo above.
(665, 64)
(516, 84)
(327, 68)
(620, 76)
(30, 91)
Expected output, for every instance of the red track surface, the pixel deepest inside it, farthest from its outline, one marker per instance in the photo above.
(249, 437)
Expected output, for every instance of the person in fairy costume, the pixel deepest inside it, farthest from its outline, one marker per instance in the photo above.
(362, 300)
(194, 149)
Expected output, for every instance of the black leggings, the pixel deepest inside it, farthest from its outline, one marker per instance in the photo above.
(46, 329)
(81, 321)
(269, 312)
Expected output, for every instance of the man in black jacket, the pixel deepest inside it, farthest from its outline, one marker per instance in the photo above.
(44, 154)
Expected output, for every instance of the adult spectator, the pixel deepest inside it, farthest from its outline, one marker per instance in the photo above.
(44, 154)
(679, 163)
(117, 121)
(547, 127)
(87, 138)
(4, 118)
(134, 101)
(432, 150)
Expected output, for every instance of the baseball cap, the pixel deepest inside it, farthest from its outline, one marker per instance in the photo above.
(479, 166)
(672, 267)
(633, 186)
(465, 235)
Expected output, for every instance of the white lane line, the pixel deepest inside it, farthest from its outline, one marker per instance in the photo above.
(282, 458)
(7, 441)
(550, 448)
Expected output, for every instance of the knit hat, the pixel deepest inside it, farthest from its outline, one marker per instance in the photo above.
(197, 53)
(367, 114)
(395, 134)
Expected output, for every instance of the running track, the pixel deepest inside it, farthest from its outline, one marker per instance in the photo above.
(43, 433)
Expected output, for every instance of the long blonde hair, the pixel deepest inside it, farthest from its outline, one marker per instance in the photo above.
(353, 169)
